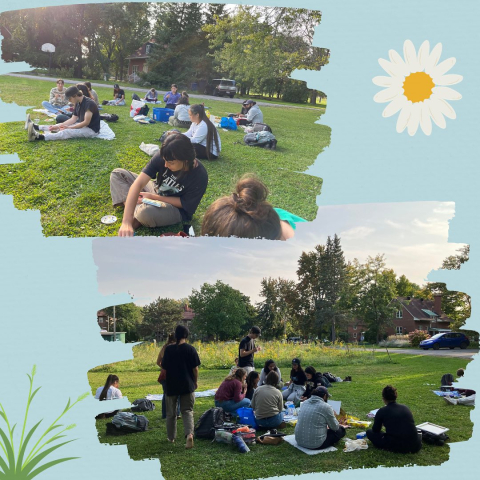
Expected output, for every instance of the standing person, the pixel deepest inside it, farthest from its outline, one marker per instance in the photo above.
(151, 96)
(247, 349)
(181, 117)
(172, 97)
(267, 402)
(252, 382)
(270, 366)
(118, 96)
(58, 101)
(317, 428)
(400, 431)
(181, 362)
(170, 341)
(93, 93)
(254, 114)
(180, 183)
(296, 385)
(203, 134)
(230, 395)
(85, 121)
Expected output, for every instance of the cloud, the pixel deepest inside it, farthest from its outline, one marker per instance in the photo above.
(356, 233)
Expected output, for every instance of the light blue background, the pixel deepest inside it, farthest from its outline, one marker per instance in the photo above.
(48, 286)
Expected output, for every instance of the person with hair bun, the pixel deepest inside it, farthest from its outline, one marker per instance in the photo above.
(180, 183)
(181, 117)
(247, 214)
(400, 431)
(85, 121)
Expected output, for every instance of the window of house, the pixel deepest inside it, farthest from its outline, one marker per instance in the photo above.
(354, 335)
(398, 330)
(354, 327)
(399, 314)
(134, 68)
(147, 49)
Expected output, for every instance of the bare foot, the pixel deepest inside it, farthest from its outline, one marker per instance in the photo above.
(189, 443)
(171, 441)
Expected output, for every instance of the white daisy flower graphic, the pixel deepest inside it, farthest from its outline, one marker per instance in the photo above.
(418, 87)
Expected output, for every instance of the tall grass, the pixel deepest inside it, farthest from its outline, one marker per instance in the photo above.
(222, 356)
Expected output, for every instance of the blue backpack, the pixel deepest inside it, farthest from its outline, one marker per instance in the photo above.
(228, 123)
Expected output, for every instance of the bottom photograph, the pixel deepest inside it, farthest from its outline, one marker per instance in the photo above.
(348, 360)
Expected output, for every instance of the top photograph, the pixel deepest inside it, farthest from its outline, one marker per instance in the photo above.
(161, 119)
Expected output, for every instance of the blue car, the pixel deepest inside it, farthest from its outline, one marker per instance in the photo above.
(446, 340)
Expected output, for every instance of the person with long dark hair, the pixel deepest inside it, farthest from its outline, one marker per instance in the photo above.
(180, 183)
(203, 134)
(314, 380)
(252, 381)
(118, 97)
(110, 390)
(246, 213)
(181, 362)
(231, 393)
(170, 340)
(296, 385)
(270, 366)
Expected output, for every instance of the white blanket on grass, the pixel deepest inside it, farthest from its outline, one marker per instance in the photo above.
(205, 393)
(291, 440)
(106, 133)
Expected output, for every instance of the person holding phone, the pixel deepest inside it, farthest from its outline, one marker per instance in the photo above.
(179, 183)
(247, 350)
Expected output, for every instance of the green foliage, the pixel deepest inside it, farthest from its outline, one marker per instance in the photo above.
(417, 336)
(21, 462)
(129, 318)
(220, 310)
(160, 317)
(405, 288)
(454, 262)
(296, 91)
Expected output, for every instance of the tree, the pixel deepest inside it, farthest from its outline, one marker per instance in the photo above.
(454, 262)
(276, 312)
(220, 310)
(377, 290)
(405, 288)
(160, 317)
(129, 319)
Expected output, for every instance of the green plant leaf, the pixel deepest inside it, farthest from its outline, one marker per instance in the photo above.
(21, 453)
(9, 449)
(40, 456)
(68, 406)
(83, 396)
(49, 465)
(34, 393)
(4, 466)
(56, 437)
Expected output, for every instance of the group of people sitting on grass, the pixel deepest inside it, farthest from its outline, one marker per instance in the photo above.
(467, 396)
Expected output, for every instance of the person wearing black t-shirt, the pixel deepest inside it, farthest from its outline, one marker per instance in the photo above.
(247, 349)
(296, 385)
(181, 362)
(118, 96)
(400, 432)
(180, 183)
(85, 121)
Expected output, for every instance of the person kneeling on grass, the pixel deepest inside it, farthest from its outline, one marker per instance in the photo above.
(247, 214)
(317, 428)
(400, 431)
(467, 395)
(85, 121)
(180, 183)
(267, 402)
(231, 393)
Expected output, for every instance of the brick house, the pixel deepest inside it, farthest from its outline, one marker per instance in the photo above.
(102, 319)
(412, 314)
(137, 62)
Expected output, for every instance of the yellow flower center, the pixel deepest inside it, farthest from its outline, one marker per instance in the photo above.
(418, 86)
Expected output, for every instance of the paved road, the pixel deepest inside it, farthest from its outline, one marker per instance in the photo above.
(144, 90)
(456, 353)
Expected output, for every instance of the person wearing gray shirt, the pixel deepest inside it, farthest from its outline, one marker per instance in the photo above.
(254, 114)
(314, 417)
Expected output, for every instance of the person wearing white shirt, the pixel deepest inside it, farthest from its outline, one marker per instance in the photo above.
(181, 118)
(110, 390)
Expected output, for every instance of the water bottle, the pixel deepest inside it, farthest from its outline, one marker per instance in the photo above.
(241, 445)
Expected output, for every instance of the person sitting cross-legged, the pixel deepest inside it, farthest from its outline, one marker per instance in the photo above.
(85, 121)
(317, 428)
(267, 402)
(58, 101)
(231, 393)
(400, 431)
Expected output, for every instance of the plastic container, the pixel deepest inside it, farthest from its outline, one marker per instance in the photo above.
(246, 417)
(361, 435)
(290, 408)
(162, 114)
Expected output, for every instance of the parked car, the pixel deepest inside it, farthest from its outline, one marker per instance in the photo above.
(220, 87)
(446, 340)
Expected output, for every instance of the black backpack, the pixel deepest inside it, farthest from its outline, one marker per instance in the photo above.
(135, 96)
(261, 127)
(211, 419)
(261, 139)
(109, 117)
(142, 405)
(126, 422)
(144, 110)
(330, 377)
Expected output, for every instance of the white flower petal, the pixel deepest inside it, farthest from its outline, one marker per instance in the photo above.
(403, 118)
(387, 95)
(414, 119)
(394, 106)
(410, 56)
(398, 60)
(391, 68)
(423, 54)
(425, 121)
(448, 79)
(444, 107)
(435, 113)
(442, 68)
(447, 93)
(434, 57)
(385, 81)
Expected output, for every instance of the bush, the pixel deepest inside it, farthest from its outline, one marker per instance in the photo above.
(296, 92)
(417, 336)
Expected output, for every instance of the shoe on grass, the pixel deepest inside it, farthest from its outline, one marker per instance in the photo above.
(450, 400)
(32, 133)
(27, 121)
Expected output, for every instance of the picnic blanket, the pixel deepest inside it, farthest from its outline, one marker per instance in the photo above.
(205, 393)
(454, 393)
(106, 133)
(291, 440)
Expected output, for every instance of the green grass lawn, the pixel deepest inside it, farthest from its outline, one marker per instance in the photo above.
(413, 375)
(68, 181)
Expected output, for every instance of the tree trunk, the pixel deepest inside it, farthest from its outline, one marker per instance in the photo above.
(313, 97)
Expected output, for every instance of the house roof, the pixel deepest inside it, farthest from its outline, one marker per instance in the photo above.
(422, 309)
(142, 51)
